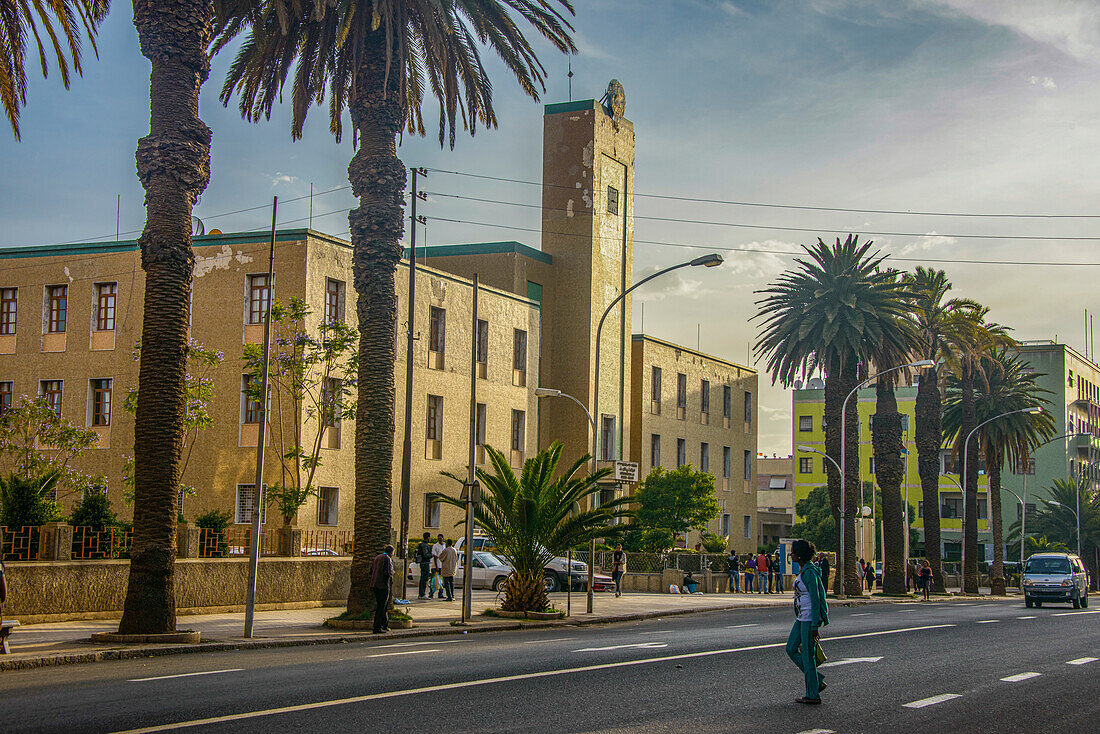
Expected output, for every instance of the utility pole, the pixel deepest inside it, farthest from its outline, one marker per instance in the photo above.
(473, 488)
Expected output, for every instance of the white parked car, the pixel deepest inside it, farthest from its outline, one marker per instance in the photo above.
(1055, 577)
(490, 571)
(557, 570)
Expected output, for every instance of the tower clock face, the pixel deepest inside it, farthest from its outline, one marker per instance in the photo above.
(616, 99)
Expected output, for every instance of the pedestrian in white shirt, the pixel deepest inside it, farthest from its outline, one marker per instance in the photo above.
(437, 566)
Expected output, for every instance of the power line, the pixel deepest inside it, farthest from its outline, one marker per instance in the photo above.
(787, 206)
(738, 225)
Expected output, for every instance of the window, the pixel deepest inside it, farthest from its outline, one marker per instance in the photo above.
(748, 407)
(654, 448)
(334, 301)
(431, 512)
(805, 423)
(983, 508)
(871, 465)
(806, 465)
(518, 429)
(258, 294)
(9, 304)
(250, 409)
(435, 418)
(519, 350)
(437, 329)
(105, 306)
(727, 462)
(748, 465)
(101, 402)
(51, 390)
(612, 200)
(482, 341)
(727, 402)
(681, 391)
(920, 509)
(479, 429)
(1030, 468)
(655, 392)
(681, 452)
(704, 396)
(246, 497)
(904, 423)
(330, 400)
(748, 526)
(57, 303)
(725, 525)
(704, 457)
(328, 505)
(6, 391)
(607, 438)
(824, 465)
(952, 508)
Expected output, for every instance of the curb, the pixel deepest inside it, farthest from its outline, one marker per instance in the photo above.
(130, 653)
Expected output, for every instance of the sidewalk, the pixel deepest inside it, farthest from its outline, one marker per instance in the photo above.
(56, 643)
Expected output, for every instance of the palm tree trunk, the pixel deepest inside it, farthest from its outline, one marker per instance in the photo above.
(970, 492)
(377, 178)
(173, 164)
(886, 441)
(929, 439)
(838, 384)
(997, 574)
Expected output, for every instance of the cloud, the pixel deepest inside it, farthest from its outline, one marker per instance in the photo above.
(762, 265)
(1045, 82)
(1071, 26)
(283, 178)
(929, 242)
(673, 285)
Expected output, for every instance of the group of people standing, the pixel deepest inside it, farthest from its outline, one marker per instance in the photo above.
(438, 563)
(764, 571)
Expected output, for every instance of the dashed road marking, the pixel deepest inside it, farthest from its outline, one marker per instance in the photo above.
(555, 639)
(1081, 661)
(988, 621)
(1019, 677)
(644, 645)
(848, 661)
(932, 701)
(185, 675)
(657, 632)
(1067, 614)
(817, 731)
(416, 644)
(735, 626)
(403, 652)
(862, 614)
(1027, 616)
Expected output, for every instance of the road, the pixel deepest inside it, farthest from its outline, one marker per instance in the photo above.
(950, 666)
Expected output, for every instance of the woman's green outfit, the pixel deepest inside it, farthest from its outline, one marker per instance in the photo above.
(811, 613)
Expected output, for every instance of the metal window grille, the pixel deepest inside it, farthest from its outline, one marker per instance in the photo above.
(57, 305)
(482, 341)
(246, 498)
(435, 418)
(105, 306)
(9, 304)
(437, 329)
(519, 350)
(334, 301)
(101, 402)
(258, 294)
(518, 429)
(51, 390)
(612, 200)
(805, 423)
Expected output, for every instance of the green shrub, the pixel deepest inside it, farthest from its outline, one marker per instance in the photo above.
(714, 543)
(94, 509)
(215, 521)
(26, 501)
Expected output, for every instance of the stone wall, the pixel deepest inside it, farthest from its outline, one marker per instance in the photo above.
(56, 591)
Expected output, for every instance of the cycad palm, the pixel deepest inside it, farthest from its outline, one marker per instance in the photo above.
(828, 314)
(534, 517)
(1008, 386)
(378, 61)
(940, 324)
(1056, 518)
(42, 19)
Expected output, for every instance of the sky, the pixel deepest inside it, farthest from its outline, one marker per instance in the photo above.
(940, 106)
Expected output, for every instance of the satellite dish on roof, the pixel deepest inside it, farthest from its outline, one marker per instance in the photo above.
(798, 384)
(816, 383)
(198, 229)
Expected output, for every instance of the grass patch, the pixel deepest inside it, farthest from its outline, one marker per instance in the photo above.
(369, 616)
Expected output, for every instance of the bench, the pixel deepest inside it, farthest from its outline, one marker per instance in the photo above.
(6, 626)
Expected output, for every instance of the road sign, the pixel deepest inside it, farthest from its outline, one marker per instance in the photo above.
(626, 471)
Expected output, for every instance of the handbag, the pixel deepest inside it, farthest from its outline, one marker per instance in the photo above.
(819, 654)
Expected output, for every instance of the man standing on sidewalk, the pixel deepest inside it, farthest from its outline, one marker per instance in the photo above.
(448, 561)
(381, 574)
(733, 568)
(761, 573)
(437, 567)
(423, 558)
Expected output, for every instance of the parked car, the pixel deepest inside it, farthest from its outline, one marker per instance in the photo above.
(557, 570)
(490, 571)
(1058, 577)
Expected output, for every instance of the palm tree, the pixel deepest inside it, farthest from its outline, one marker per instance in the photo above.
(1008, 385)
(73, 18)
(831, 313)
(534, 517)
(940, 324)
(378, 60)
(1056, 519)
(1042, 545)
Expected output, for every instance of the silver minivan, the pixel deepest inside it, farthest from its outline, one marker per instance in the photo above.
(1059, 577)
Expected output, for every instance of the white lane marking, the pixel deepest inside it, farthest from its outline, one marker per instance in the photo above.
(657, 632)
(1067, 614)
(403, 652)
(988, 621)
(847, 661)
(555, 639)
(735, 626)
(817, 731)
(644, 645)
(967, 604)
(185, 675)
(930, 701)
(489, 681)
(1019, 677)
(861, 614)
(1081, 661)
(906, 611)
(416, 644)
(1027, 616)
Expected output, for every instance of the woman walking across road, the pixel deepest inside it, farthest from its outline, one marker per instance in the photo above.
(926, 579)
(811, 613)
(618, 568)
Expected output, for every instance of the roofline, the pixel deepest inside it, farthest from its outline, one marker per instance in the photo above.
(482, 248)
(577, 106)
(662, 342)
(208, 240)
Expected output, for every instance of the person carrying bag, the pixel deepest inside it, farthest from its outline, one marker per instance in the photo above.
(811, 613)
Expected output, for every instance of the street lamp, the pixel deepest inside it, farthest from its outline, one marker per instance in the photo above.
(966, 449)
(919, 364)
(549, 392)
(707, 261)
(1076, 516)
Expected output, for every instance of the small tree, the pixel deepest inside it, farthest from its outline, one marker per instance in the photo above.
(199, 396)
(26, 500)
(676, 500)
(35, 443)
(94, 508)
(310, 379)
(215, 521)
(817, 523)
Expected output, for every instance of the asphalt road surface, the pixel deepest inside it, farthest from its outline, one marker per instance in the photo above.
(982, 666)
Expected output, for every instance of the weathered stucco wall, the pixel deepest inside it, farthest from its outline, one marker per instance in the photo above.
(46, 591)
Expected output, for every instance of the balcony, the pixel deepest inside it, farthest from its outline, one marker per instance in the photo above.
(1084, 443)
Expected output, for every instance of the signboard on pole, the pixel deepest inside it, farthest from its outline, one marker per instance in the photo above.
(626, 471)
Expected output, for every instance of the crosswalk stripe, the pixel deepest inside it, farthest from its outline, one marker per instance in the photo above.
(1019, 677)
(1081, 661)
(932, 701)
